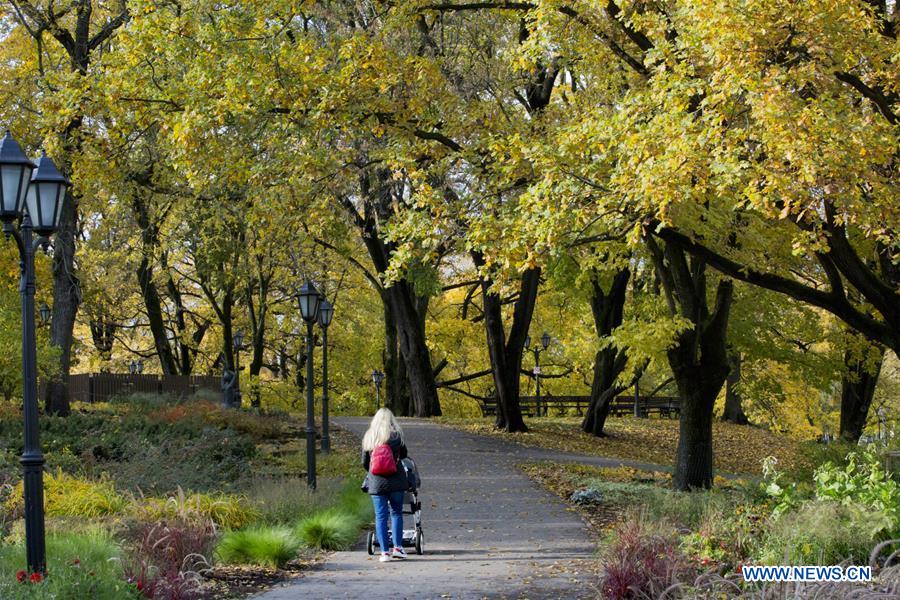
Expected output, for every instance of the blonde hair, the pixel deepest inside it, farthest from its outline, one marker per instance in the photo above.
(380, 429)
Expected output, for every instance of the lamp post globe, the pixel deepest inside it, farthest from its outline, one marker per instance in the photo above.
(34, 195)
(46, 193)
(309, 300)
(325, 314)
(545, 340)
(45, 313)
(15, 177)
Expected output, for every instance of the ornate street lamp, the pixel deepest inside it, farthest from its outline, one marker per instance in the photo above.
(140, 367)
(132, 367)
(34, 195)
(377, 378)
(326, 312)
(45, 313)
(309, 300)
(545, 343)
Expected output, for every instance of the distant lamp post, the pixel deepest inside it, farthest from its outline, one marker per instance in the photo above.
(377, 378)
(545, 343)
(309, 309)
(237, 341)
(326, 312)
(45, 313)
(140, 367)
(34, 195)
(132, 367)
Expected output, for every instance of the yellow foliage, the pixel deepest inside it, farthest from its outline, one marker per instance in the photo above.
(67, 496)
(230, 512)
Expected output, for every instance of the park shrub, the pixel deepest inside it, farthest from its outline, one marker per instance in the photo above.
(334, 529)
(67, 496)
(640, 561)
(821, 532)
(259, 545)
(212, 460)
(862, 481)
(225, 510)
(80, 565)
(256, 426)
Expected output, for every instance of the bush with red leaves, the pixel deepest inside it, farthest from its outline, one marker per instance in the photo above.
(639, 563)
(165, 556)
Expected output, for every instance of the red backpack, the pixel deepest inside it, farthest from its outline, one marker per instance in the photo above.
(382, 462)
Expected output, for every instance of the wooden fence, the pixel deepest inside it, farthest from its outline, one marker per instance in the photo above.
(100, 387)
(663, 406)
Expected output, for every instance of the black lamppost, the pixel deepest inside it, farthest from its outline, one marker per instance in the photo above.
(34, 195)
(326, 312)
(377, 378)
(545, 343)
(309, 310)
(238, 341)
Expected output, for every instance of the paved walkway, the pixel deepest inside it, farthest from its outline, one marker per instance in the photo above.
(490, 532)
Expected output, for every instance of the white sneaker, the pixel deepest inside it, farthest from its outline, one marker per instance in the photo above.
(385, 557)
(399, 553)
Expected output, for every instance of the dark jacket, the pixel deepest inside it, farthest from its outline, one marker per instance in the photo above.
(378, 485)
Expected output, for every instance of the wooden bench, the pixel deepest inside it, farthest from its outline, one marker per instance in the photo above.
(661, 406)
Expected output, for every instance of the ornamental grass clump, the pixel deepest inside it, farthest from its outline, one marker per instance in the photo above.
(68, 496)
(227, 511)
(329, 530)
(639, 562)
(265, 546)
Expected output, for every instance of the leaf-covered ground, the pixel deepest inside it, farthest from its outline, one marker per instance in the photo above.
(737, 449)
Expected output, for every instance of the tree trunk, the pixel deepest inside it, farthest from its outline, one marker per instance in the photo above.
(699, 359)
(506, 354)
(404, 304)
(396, 381)
(609, 361)
(734, 409)
(66, 299)
(857, 391)
(414, 351)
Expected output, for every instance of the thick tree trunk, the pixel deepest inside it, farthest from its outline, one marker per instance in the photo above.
(396, 381)
(414, 351)
(609, 362)
(699, 359)
(66, 299)
(506, 354)
(857, 391)
(734, 408)
(404, 304)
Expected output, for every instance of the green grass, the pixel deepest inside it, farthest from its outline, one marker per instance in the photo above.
(80, 565)
(284, 501)
(259, 545)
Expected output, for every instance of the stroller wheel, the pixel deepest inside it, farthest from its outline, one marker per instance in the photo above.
(370, 543)
(420, 542)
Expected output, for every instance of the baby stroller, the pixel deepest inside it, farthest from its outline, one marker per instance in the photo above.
(411, 537)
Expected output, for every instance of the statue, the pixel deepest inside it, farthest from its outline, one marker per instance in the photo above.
(230, 394)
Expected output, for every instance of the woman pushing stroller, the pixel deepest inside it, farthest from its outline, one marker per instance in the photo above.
(383, 448)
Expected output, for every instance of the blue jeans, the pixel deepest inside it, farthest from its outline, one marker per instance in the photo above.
(389, 503)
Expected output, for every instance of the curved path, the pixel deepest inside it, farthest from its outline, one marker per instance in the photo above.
(490, 532)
